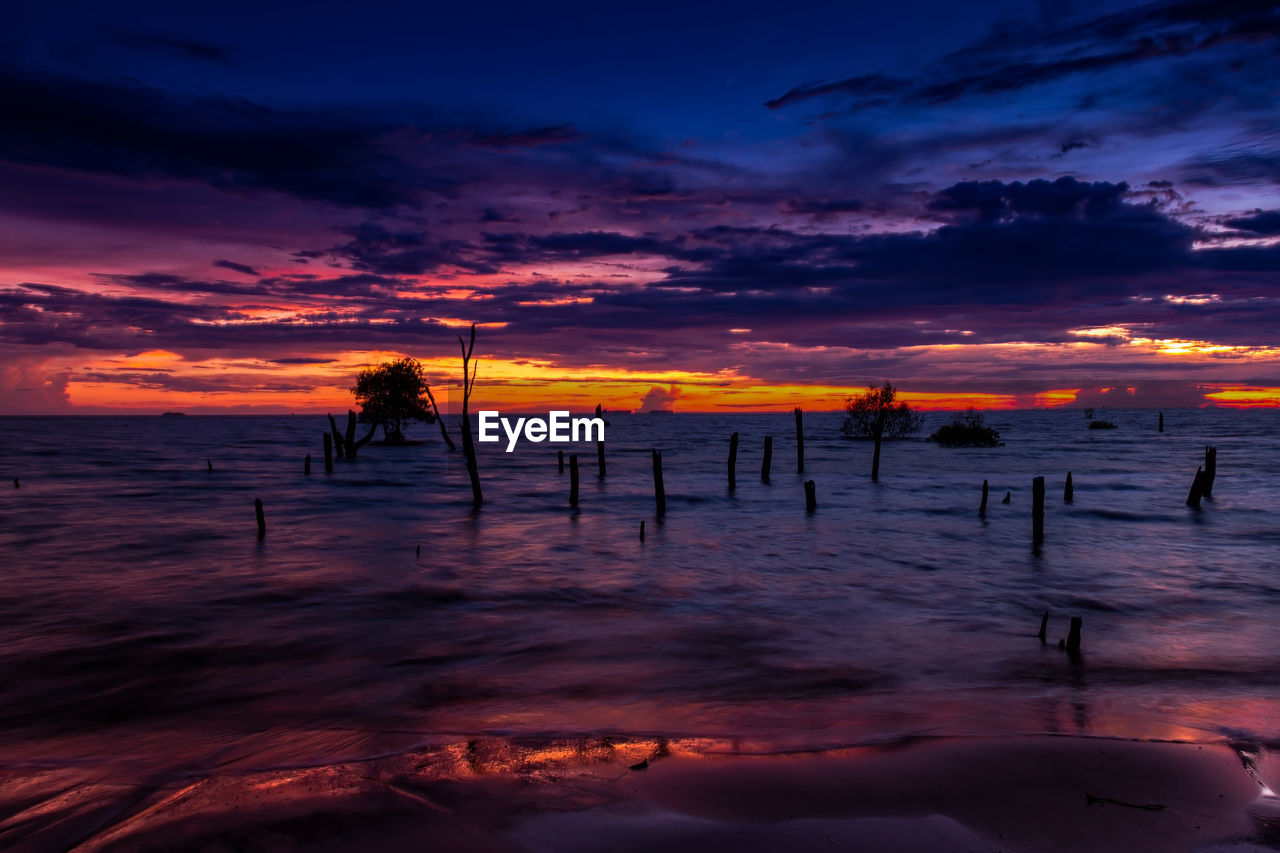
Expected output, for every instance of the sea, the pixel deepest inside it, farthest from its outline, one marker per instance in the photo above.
(145, 625)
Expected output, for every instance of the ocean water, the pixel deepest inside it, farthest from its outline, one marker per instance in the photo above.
(143, 622)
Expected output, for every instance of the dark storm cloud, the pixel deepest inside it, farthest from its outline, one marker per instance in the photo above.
(1262, 222)
(182, 48)
(138, 132)
(1018, 57)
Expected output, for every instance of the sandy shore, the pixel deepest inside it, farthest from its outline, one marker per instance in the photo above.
(1011, 794)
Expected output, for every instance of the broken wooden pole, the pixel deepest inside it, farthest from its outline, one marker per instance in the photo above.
(209, 462)
(599, 459)
(573, 481)
(659, 490)
(1037, 510)
(1044, 626)
(262, 519)
(1210, 469)
(328, 453)
(1197, 490)
(350, 438)
(1073, 636)
(306, 464)
(1161, 422)
(1068, 492)
(733, 461)
(799, 440)
(768, 459)
(810, 495)
(560, 461)
(337, 437)
(982, 507)
(1007, 497)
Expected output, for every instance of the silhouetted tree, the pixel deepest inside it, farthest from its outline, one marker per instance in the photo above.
(875, 415)
(966, 430)
(468, 443)
(393, 395)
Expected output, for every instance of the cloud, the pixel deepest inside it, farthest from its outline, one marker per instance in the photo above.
(182, 48)
(1262, 222)
(1018, 57)
(659, 399)
(240, 268)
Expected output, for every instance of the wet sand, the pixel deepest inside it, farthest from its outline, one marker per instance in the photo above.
(1014, 794)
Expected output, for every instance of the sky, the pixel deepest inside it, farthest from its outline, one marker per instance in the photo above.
(707, 207)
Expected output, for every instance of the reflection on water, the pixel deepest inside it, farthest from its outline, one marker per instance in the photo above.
(142, 620)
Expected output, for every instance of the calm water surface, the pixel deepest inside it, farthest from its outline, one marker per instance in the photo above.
(142, 621)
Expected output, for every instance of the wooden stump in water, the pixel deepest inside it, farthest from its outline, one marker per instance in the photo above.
(1044, 626)
(573, 481)
(1161, 422)
(1197, 489)
(642, 531)
(733, 461)
(799, 440)
(1073, 636)
(768, 459)
(659, 489)
(1007, 497)
(328, 453)
(262, 519)
(810, 495)
(209, 462)
(337, 437)
(1068, 492)
(1037, 510)
(1210, 469)
(982, 507)
(306, 464)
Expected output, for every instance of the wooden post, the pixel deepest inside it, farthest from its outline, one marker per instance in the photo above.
(560, 461)
(328, 453)
(599, 460)
(982, 508)
(810, 495)
(768, 459)
(875, 461)
(642, 531)
(1197, 490)
(15, 482)
(306, 464)
(799, 440)
(573, 481)
(1044, 626)
(350, 438)
(337, 437)
(262, 519)
(1210, 469)
(1068, 492)
(1037, 510)
(1073, 636)
(1007, 497)
(733, 461)
(659, 490)
(1161, 422)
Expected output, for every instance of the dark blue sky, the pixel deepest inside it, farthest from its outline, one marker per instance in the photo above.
(1004, 198)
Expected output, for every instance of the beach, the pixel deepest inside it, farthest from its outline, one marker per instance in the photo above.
(995, 794)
